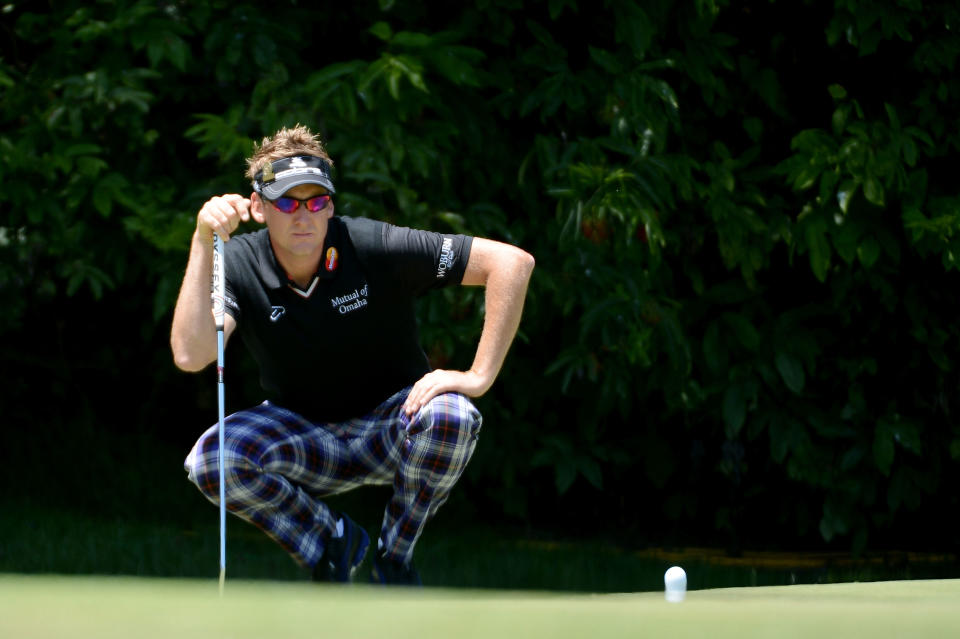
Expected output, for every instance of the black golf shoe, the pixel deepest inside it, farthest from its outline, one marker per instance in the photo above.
(343, 555)
(388, 572)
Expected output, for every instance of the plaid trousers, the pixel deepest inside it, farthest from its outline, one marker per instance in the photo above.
(278, 464)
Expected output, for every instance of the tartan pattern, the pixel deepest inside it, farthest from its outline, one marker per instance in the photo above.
(278, 464)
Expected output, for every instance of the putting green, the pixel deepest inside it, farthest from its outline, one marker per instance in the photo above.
(143, 608)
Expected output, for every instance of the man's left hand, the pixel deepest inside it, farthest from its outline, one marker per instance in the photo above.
(440, 381)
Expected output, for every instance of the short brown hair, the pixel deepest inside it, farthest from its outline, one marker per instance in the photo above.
(285, 143)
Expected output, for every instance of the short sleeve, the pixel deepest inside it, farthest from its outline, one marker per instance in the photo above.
(418, 260)
(426, 259)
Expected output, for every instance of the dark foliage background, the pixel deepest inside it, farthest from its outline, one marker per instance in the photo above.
(741, 330)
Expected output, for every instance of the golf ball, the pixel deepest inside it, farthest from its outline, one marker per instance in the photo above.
(675, 582)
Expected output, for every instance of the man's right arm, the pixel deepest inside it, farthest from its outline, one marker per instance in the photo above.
(193, 336)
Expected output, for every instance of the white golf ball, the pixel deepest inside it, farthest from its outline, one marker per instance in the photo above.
(675, 582)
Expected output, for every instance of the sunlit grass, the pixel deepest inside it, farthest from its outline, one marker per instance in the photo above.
(145, 608)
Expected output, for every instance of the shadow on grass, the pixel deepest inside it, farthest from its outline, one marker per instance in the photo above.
(39, 540)
(120, 504)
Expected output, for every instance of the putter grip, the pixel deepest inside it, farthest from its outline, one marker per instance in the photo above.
(219, 279)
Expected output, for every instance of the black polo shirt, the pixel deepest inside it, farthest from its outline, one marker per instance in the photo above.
(350, 341)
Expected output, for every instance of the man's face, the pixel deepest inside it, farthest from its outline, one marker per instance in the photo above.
(299, 234)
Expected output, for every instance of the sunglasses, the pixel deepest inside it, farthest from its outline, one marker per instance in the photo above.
(291, 204)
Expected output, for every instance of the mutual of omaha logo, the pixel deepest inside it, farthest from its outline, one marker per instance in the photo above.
(446, 258)
(276, 312)
(333, 258)
(351, 301)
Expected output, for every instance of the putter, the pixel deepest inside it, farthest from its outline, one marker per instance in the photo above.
(217, 295)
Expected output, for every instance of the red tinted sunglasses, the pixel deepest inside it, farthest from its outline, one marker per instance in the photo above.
(291, 204)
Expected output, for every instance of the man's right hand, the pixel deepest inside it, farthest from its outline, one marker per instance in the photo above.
(193, 335)
(222, 215)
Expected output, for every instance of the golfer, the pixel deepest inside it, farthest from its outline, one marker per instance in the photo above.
(325, 305)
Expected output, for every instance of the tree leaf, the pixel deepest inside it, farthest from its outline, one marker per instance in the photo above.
(873, 191)
(852, 457)
(744, 330)
(606, 60)
(819, 249)
(178, 52)
(837, 91)
(869, 251)
(845, 193)
(955, 450)
(791, 371)
(734, 410)
(103, 201)
(883, 449)
(381, 30)
(781, 438)
(590, 469)
(713, 349)
(412, 39)
(565, 474)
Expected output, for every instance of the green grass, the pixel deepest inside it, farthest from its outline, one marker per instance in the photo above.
(144, 608)
(90, 572)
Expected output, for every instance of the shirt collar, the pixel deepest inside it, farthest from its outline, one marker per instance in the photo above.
(273, 274)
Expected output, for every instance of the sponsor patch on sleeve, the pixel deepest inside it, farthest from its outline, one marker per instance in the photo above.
(447, 257)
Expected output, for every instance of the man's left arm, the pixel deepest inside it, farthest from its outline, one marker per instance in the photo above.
(504, 271)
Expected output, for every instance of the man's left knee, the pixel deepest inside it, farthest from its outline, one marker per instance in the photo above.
(452, 414)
